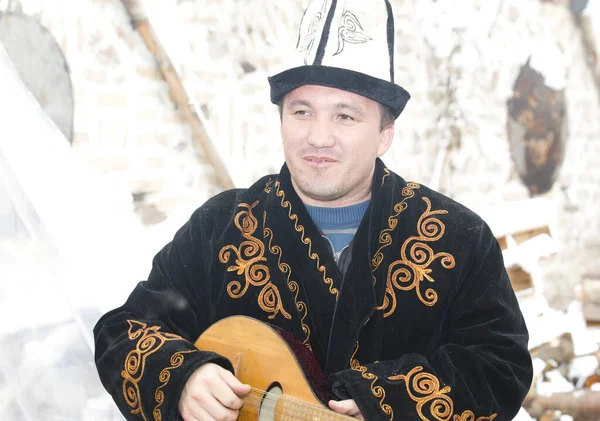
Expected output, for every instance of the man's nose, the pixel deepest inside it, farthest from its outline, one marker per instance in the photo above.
(321, 134)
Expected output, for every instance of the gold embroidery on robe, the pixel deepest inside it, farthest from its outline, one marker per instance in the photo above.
(385, 239)
(378, 391)
(268, 186)
(424, 389)
(387, 172)
(305, 240)
(470, 416)
(149, 340)
(164, 377)
(250, 262)
(413, 268)
(292, 285)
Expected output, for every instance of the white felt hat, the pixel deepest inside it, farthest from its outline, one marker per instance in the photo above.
(349, 45)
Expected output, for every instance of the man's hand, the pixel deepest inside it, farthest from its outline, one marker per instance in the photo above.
(212, 393)
(346, 407)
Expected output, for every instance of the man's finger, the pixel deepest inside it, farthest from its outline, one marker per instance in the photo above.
(238, 387)
(345, 407)
(227, 396)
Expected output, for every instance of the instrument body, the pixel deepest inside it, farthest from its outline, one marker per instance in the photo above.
(272, 361)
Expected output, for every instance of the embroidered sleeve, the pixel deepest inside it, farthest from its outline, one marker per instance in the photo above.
(144, 350)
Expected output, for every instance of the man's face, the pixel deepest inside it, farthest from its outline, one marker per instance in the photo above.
(331, 139)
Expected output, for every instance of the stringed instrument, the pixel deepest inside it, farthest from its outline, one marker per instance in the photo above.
(287, 382)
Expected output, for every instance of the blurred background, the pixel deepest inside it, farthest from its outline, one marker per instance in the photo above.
(119, 118)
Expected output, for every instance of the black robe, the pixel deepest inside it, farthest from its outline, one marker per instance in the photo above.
(424, 325)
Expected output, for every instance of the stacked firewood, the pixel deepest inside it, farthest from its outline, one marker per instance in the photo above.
(590, 296)
(564, 384)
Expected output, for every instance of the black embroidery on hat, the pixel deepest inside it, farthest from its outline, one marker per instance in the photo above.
(325, 35)
(308, 31)
(350, 31)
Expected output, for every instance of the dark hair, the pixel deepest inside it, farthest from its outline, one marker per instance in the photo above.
(387, 116)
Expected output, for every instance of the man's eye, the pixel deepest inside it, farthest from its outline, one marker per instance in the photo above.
(346, 117)
(301, 112)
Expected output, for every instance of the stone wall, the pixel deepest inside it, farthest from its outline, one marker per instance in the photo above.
(125, 124)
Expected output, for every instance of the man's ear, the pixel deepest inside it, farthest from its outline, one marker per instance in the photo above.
(387, 136)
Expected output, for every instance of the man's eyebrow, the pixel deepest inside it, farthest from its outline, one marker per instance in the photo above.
(298, 102)
(343, 105)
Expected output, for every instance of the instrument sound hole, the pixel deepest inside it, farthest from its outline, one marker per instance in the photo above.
(266, 412)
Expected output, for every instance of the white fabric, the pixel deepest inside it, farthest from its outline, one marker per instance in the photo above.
(357, 38)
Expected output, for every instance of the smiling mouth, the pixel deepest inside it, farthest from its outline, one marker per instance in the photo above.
(317, 160)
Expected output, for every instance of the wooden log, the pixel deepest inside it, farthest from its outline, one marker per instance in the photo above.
(560, 349)
(551, 415)
(177, 90)
(591, 380)
(523, 235)
(519, 279)
(580, 404)
(590, 289)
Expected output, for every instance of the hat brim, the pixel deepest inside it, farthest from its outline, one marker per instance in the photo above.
(393, 96)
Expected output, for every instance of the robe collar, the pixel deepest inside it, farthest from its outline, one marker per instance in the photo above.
(363, 288)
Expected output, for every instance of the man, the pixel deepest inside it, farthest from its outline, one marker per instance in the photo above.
(399, 292)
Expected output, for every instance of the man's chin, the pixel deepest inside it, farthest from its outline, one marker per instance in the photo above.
(326, 194)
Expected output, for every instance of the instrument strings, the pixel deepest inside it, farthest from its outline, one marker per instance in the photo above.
(293, 408)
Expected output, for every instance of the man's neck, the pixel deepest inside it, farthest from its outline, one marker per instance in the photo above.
(360, 196)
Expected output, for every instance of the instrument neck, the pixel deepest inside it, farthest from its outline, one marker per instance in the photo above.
(283, 408)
